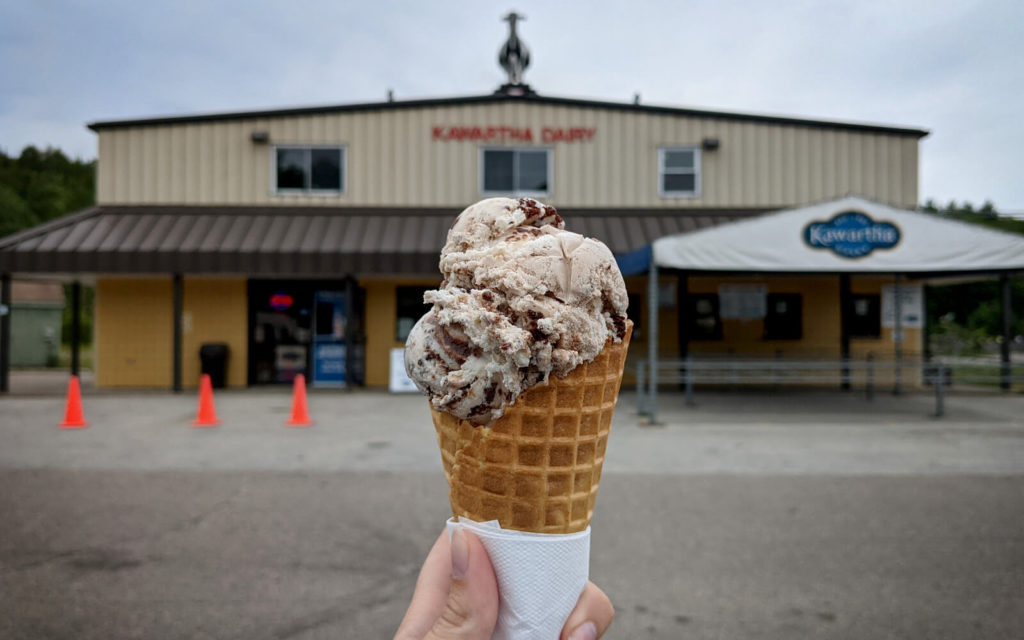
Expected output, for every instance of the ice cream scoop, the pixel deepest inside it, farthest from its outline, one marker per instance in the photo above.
(522, 299)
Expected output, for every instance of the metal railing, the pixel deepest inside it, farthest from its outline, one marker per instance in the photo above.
(868, 375)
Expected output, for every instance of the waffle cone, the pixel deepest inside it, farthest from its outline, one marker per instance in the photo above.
(537, 467)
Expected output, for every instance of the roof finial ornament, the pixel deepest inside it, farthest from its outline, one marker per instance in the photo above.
(514, 56)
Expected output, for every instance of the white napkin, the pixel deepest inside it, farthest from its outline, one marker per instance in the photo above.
(540, 577)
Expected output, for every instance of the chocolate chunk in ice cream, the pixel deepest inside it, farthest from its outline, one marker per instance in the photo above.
(521, 299)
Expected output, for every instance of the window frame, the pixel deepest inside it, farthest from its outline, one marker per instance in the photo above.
(697, 173)
(343, 176)
(549, 152)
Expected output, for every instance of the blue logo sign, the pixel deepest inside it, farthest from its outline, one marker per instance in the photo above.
(851, 234)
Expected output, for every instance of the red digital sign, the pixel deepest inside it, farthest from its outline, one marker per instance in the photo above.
(281, 301)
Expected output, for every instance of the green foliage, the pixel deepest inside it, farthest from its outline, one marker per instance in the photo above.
(85, 319)
(15, 214)
(986, 216)
(38, 186)
(965, 317)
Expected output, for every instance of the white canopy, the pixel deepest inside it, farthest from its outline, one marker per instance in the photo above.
(848, 235)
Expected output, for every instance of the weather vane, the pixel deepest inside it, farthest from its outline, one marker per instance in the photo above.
(514, 56)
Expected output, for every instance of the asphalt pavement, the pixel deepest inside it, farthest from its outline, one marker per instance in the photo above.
(751, 515)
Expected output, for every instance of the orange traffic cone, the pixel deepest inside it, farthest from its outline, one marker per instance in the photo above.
(300, 413)
(73, 416)
(207, 414)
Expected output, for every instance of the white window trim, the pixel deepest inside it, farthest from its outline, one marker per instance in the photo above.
(275, 191)
(696, 172)
(516, 192)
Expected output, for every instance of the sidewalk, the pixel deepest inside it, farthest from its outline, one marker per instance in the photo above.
(788, 432)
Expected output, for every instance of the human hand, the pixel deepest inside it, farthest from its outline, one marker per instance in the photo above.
(456, 597)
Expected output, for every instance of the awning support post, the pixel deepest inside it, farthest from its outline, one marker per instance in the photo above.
(5, 332)
(897, 336)
(845, 312)
(76, 328)
(652, 339)
(179, 290)
(1005, 369)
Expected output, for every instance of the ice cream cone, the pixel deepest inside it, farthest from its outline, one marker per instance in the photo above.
(537, 467)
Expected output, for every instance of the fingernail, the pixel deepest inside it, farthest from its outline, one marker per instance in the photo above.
(460, 555)
(586, 631)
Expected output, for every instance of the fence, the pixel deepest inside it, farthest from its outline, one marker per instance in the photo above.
(868, 375)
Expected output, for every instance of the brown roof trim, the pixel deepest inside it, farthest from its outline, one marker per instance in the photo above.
(500, 98)
(295, 241)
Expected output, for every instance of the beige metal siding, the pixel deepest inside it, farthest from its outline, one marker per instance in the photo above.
(393, 160)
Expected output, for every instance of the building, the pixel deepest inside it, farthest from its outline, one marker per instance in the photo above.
(304, 238)
(36, 323)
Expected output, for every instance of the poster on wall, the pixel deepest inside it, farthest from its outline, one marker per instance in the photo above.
(911, 306)
(329, 352)
(399, 381)
(742, 301)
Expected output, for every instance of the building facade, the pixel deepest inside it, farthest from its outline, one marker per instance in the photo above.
(303, 239)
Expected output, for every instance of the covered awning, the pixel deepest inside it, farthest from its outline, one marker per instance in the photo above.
(847, 235)
(294, 241)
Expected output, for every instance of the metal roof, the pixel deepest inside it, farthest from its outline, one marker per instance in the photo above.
(499, 97)
(294, 241)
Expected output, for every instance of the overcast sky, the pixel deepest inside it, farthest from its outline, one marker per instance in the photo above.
(953, 68)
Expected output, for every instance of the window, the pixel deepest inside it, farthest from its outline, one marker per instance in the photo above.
(864, 316)
(410, 309)
(518, 171)
(679, 171)
(783, 318)
(703, 320)
(309, 169)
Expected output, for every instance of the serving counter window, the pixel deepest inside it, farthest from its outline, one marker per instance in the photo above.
(864, 317)
(705, 322)
(783, 318)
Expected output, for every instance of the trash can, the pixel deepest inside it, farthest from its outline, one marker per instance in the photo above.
(213, 358)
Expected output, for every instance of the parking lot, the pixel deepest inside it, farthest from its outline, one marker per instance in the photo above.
(753, 515)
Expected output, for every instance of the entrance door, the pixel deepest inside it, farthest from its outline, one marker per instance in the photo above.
(281, 331)
(330, 320)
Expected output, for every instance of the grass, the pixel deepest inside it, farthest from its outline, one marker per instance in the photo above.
(85, 355)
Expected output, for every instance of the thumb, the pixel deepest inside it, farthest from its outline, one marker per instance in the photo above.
(472, 607)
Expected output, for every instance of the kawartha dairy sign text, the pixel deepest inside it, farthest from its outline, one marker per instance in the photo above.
(851, 234)
(505, 134)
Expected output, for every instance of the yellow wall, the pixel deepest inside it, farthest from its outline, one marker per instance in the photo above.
(134, 333)
(381, 312)
(215, 311)
(135, 330)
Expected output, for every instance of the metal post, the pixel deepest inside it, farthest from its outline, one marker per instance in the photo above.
(641, 388)
(937, 372)
(178, 298)
(76, 327)
(350, 326)
(1004, 348)
(844, 331)
(652, 339)
(869, 389)
(5, 332)
(897, 335)
(690, 374)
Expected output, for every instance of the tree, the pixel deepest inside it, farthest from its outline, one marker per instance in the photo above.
(975, 307)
